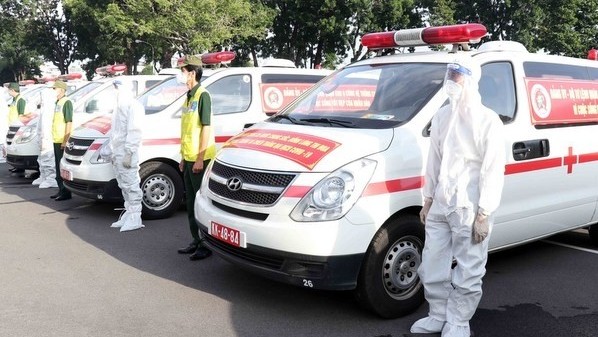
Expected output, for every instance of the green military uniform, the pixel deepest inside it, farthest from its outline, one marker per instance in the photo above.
(63, 114)
(197, 112)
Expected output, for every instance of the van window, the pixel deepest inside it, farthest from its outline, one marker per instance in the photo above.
(367, 96)
(230, 94)
(554, 70)
(86, 89)
(290, 78)
(497, 88)
(161, 96)
(149, 84)
(102, 102)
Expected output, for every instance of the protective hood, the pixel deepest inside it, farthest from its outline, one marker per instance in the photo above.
(278, 147)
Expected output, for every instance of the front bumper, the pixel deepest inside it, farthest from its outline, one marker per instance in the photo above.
(23, 162)
(318, 272)
(98, 190)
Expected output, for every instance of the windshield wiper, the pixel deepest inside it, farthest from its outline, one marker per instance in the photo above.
(289, 118)
(331, 121)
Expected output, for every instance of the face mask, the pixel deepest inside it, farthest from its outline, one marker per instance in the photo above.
(453, 89)
(181, 78)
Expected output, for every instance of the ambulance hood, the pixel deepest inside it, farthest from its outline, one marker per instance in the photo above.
(95, 128)
(281, 147)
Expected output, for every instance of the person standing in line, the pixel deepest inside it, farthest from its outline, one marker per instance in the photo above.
(3, 123)
(125, 140)
(61, 130)
(16, 109)
(463, 186)
(198, 146)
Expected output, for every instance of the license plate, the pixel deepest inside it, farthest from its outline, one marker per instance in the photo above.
(66, 175)
(229, 235)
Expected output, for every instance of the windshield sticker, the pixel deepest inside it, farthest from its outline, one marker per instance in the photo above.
(101, 124)
(562, 101)
(343, 98)
(378, 117)
(304, 149)
(276, 96)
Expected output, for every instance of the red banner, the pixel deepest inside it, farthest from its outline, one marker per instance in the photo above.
(276, 96)
(101, 124)
(562, 101)
(301, 148)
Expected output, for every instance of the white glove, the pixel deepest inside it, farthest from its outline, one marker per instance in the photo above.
(423, 214)
(481, 227)
(127, 160)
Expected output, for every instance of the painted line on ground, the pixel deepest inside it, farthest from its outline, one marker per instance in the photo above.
(587, 250)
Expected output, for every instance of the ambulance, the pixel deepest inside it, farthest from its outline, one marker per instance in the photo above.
(90, 100)
(240, 96)
(326, 194)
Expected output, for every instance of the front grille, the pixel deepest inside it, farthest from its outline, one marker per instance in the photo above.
(12, 131)
(77, 147)
(261, 184)
(245, 254)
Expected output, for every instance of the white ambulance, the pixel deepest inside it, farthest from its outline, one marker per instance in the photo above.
(240, 96)
(326, 194)
(90, 100)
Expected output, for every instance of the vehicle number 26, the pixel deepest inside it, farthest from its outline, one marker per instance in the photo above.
(308, 283)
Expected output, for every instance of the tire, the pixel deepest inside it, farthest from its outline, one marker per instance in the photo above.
(162, 189)
(397, 246)
(593, 230)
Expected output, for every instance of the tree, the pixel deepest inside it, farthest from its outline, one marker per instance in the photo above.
(51, 32)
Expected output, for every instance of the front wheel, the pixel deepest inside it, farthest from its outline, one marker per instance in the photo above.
(162, 189)
(388, 283)
(593, 230)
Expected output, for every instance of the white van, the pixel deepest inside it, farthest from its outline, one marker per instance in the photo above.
(90, 100)
(327, 193)
(240, 96)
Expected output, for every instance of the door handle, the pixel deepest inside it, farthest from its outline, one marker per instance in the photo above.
(530, 149)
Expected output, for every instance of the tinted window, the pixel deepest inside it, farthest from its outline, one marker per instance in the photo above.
(554, 70)
(288, 78)
(84, 91)
(497, 88)
(161, 96)
(368, 96)
(230, 94)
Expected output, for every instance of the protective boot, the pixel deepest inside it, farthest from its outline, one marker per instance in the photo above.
(121, 219)
(49, 182)
(132, 222)
(427, 325)
(38, 181)
(452, 330)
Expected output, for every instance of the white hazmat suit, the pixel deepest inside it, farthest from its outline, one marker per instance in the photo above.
(125, 140)
(463, 186)
(45, 159)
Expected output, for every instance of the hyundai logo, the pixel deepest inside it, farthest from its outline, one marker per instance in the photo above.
(70, 145)
(234, 184)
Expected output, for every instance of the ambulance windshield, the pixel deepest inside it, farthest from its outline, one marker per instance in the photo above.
(367, 96)
(161, 95)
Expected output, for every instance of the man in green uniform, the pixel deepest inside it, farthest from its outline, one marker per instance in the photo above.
(17, 108)
(61, 130)
(198, 145)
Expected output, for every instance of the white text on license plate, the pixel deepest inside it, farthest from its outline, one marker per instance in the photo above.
(229, 235)
(66, 174)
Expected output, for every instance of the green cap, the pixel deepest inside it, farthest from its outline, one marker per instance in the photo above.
(59, 84)
(14, 86)
(192, 60)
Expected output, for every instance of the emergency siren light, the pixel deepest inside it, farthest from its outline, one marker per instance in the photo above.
(26, 82)
(593, 54)
(212, 58)
(454, 34)
(47, 79)
(111, 70)
(69, 77)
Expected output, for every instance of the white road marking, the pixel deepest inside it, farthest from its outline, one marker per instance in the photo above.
(593, 251)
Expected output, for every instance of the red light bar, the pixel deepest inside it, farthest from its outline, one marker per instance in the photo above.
(26, 82)
(593, 54)
(218, 57)
(68, 77)
(111, 69)
(463, 33)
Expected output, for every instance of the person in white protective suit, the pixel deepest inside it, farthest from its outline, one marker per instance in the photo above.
(125, 140)
(45, 159)
(463, 186)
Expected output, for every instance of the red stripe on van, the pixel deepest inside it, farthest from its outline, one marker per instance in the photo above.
(296, 191)
(162, 141)
(533, 165)
(392, 186)
(588, 157)
(223, 139)
(94, 146)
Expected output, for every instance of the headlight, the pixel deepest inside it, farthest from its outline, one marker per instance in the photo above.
(26, 134)
(103, 154)
(336, 194)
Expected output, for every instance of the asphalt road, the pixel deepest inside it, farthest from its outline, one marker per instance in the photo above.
(65, 272)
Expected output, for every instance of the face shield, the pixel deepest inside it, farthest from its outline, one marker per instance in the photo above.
(455, 80)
